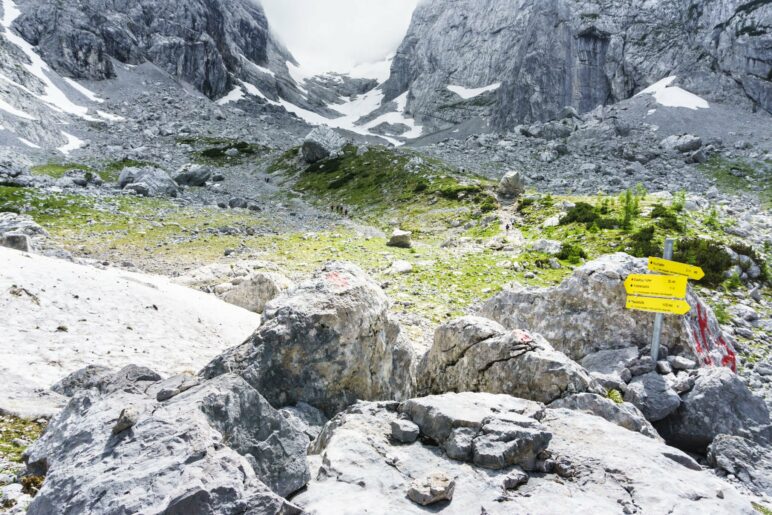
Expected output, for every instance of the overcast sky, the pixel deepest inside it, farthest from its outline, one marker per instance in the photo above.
(335, 35)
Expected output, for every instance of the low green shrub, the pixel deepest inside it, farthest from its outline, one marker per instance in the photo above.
(642, 243)
(582, 213)
(666, 218)
(572, 253)
(709, 255)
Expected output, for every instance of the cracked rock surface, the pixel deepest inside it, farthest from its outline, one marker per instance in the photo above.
(601, 467)
(475, 354)
(216, 448)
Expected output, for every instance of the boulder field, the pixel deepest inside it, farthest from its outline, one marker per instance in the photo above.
(328, 408)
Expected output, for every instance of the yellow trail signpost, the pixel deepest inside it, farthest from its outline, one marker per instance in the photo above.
(661, 294)
(666, 266)
(656, 285)
(658, 305)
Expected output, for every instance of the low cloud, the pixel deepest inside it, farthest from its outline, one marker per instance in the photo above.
(336, 35)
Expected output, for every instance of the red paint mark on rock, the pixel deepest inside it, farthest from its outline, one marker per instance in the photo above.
(711, 346)
(337, 279)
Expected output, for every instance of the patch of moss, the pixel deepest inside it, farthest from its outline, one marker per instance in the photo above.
(615, 396)
(761, 508)
(741, 177)
(11, 429)
(57, 170)
(215, 151)
(383, 185)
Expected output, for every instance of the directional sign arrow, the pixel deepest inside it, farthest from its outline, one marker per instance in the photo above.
(673, 267)
(656, 285)
(657, 305)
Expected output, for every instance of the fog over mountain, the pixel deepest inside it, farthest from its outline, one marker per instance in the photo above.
(336, 35)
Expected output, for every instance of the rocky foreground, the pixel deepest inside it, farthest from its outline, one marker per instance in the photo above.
(329, 408)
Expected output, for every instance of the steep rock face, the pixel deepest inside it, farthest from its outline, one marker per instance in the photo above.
(208, 44)
(536, 57)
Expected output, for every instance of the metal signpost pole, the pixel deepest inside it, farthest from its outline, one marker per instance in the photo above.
(659, 317)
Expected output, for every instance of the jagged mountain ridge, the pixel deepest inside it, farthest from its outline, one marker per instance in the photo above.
(210, 44)
(537, 57)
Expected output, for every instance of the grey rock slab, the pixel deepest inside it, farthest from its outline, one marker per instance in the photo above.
(404, 431)
(651, 394)
(511, 185)
(212, 449)
(400, 239)
(749, 461)
(624, 415)
(193, 175)
(718, 403)
(586, 312)
(83, 379)
(305, 418)
(148, 182)
(357, 468)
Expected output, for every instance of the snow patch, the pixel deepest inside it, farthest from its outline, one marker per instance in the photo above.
(379, 71)
(84, 91)
(357, 107)
(235, 95)
(264, 70)
(73, 143)
(467, 93)
(299, 76)
(8, 108)
(673, 96)
(252, 90)
(69, 316)
(28, 142)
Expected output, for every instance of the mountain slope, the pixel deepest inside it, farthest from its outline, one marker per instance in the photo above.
(522, 61)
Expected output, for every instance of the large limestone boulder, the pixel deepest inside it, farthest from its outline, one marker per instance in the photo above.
(682, 143)
(719, 403)
(217, 447)
(254, 292)
(328, 342)
(511, 185)
(148, 182)
(400, 239)
(476, 354)
(20, 232)
(321, 143)
(591, 465)
(586, 314)
(193, 175)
